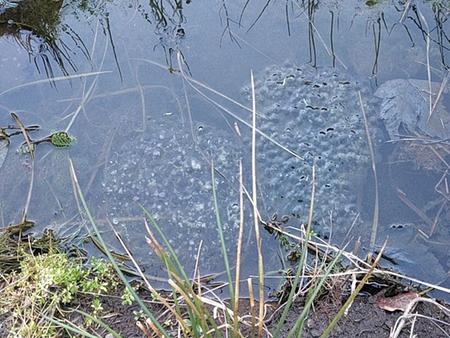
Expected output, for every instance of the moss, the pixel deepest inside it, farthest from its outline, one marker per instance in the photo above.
(44, 282)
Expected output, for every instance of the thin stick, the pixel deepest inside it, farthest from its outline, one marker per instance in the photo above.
(439, 94)
(376, 211)
(86, 210)
(191, 83)
(152, 290)
(298, 280)
(86, 96)
(330, 53)
(412, 206)
(31, 151)
(255, 215)
(196, 267)
(436, 218)
(401, 321)
(53, 79)
(405, 11)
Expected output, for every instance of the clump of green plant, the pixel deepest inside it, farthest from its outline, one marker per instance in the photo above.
(44, 284)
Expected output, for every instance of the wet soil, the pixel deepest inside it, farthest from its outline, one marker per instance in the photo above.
(121, 318)
(364, 319)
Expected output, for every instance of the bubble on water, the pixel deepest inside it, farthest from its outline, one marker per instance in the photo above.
(195, 164)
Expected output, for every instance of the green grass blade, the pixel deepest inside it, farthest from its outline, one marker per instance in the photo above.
(173, 255)
(177, 273)
(99, 322)
(302, 258)
(296, 330)
(221, 237)
(110, 256)
(290, 299)
(352, 297)
(70, 328)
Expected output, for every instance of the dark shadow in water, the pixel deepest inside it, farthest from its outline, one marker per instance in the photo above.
(168, 16)
(36, 26)
(436, 34)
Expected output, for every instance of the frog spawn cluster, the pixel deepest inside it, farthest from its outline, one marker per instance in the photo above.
(315, 113)
(169, 174)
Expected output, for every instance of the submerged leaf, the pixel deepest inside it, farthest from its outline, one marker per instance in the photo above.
(406, 108)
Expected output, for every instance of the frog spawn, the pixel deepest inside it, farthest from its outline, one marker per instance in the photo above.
(170, 175)
(315, 113)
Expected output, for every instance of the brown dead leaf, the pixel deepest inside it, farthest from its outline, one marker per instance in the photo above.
(396, 303)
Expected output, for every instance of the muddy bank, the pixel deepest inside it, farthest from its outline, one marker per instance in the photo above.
(365, 318)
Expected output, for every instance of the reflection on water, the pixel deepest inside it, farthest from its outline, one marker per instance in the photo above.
(36, 27)
(147, 133)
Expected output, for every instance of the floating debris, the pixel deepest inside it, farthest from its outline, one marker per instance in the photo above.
(406, 108)
(423, 127)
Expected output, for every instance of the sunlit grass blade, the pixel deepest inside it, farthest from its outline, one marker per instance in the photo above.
(174, 267)
(376, 207)
(193, 83)
(54, 79)
(239, 250)
(152, 290)
(255, 215)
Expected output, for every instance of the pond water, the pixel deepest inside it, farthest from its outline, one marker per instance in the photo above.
(156, 95)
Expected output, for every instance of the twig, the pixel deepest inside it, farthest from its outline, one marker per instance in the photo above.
(376, 211)
(31, 152)
(411, 205)
(401, 321)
